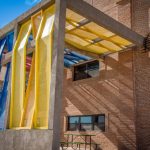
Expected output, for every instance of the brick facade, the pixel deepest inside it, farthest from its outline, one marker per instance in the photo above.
(140, 24)
(111, 93)
(122, 89)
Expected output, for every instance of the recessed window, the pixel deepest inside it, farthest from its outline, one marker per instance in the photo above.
(86, 70)
(85, 123)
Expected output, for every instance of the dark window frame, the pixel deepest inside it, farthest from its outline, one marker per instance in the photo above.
(78, 128)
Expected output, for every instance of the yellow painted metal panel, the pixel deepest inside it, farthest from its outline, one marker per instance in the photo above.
(27, 116)
(43, 69)
(110, 45)
(120, 40)
(84, 45)
(95, 48)
(69, 26)
(29, 108)
(93, 27)
(18, 76)
(36, 21)
(74, 16)
(89, 36)
(84, 34)
(70, 38)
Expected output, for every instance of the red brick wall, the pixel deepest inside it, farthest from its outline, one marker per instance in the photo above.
(140, 24)
(117, 9)
(149, 17)
(110, 93)
(140, 16)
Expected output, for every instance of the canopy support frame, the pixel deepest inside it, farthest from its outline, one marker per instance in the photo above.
(57, 74)
(97, 16)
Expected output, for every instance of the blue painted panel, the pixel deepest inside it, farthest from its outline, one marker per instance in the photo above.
(6, 43)
(83, 57)
(68, 63)
(2, 46)
(72, 58)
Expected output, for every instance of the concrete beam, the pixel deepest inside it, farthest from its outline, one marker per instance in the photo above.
(57, 74)
(25, 16)
(95, 15)
(8, 56)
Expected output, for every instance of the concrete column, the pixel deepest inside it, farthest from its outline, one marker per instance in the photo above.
(57, 74)
(141, 65)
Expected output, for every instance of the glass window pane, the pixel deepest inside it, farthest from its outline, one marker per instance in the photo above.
(101, 119)
(99, 122)
(92, 73)
(73, 119)
(84, 123)
(80, 72)
(73, 127)
(93, 69)
(85, 127)
(87, 70)
(86, 119)
(94, 65)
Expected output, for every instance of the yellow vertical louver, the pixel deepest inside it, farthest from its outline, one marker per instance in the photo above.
(29, 108)
(43, 69)
(18, 76)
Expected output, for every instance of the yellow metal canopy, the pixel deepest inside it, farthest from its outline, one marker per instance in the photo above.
(88, 36)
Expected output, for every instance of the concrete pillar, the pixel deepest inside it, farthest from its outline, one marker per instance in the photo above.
(57, 74)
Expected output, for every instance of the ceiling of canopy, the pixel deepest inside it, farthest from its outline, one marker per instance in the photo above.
(89, 36)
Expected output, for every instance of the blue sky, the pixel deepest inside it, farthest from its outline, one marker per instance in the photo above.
(11, 9)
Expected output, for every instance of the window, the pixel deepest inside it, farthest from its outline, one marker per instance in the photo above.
(84, 123)
(87, 70)
(73, 123)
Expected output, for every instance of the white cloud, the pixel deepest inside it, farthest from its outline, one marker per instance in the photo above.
(32, 2)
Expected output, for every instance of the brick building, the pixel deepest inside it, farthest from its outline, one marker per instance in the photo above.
(121, 90)
(117, 95)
